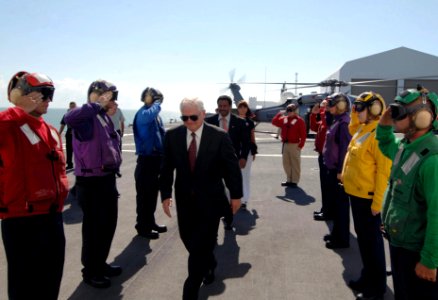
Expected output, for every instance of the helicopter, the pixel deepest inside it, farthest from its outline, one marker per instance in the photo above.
(307, 101)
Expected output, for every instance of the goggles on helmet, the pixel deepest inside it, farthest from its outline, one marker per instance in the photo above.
(102, 86)
(400, 111)
(35, 82)
(360, 106)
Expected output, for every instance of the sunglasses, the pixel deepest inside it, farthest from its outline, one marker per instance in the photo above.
(194, 118)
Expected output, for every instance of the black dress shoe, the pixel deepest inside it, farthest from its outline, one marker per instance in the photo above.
(336, 245)
(319, 217)
(111, 271)
(160, 228)
(99, 282)
(365, 296)
(327, 237)
(322, 217)
(152, 235)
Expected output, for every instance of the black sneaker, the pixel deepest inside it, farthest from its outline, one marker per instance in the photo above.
(243, 206)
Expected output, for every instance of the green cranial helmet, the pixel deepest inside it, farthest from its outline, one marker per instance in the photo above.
(412, 95)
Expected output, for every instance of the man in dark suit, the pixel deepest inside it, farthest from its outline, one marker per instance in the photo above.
(239, 134)
(203, 157)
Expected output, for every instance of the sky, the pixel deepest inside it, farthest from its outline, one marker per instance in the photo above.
(188, 48)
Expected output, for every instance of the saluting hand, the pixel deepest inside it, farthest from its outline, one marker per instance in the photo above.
(29, 102)
(385, 119)
(167, 204)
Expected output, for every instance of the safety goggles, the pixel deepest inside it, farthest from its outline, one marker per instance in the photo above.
(46, 91)
(331, 103)
(101, 87)
(399, 111)
(360, 106)
(36, 82)
(194, 118)
(115, 95)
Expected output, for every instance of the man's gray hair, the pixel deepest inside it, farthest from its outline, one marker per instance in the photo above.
(192, 102)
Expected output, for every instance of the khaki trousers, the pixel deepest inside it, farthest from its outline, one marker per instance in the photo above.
(292, 162)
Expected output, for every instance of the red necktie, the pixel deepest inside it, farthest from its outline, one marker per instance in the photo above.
(224, 124)
(192, 152)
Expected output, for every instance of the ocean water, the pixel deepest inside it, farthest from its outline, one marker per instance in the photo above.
(54, 116)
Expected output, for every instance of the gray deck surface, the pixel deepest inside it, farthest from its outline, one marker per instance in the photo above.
(275, 252)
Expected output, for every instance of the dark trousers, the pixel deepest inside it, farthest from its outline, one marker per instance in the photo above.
(120, 134)
(199, 236)
(146, 176)
(407, 285)
(341, 220)
(98, 199)
(370, 241)
(35, 250)
(328, 203)
(69, 148)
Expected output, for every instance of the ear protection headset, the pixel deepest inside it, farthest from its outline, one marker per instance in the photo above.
(423, 118)
(150, 95)
(375, 108)
(341, 105)
(372, 101)
(422, 115)
(340, 101)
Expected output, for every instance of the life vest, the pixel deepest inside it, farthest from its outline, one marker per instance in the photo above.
(32, 171)
(404, 215)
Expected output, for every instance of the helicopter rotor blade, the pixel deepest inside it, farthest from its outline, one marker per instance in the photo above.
(291, 83)
(232, 73)
(241, 79)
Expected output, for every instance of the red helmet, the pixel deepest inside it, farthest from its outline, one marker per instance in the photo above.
(32, 82)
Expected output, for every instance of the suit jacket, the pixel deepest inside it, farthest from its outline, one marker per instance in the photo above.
(200, 195)
(239, 134)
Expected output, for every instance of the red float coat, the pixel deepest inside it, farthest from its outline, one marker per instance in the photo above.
(32, 166)
(320, 127)
(293, 129)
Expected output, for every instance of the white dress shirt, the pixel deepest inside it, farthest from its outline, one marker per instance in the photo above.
(198, 134)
